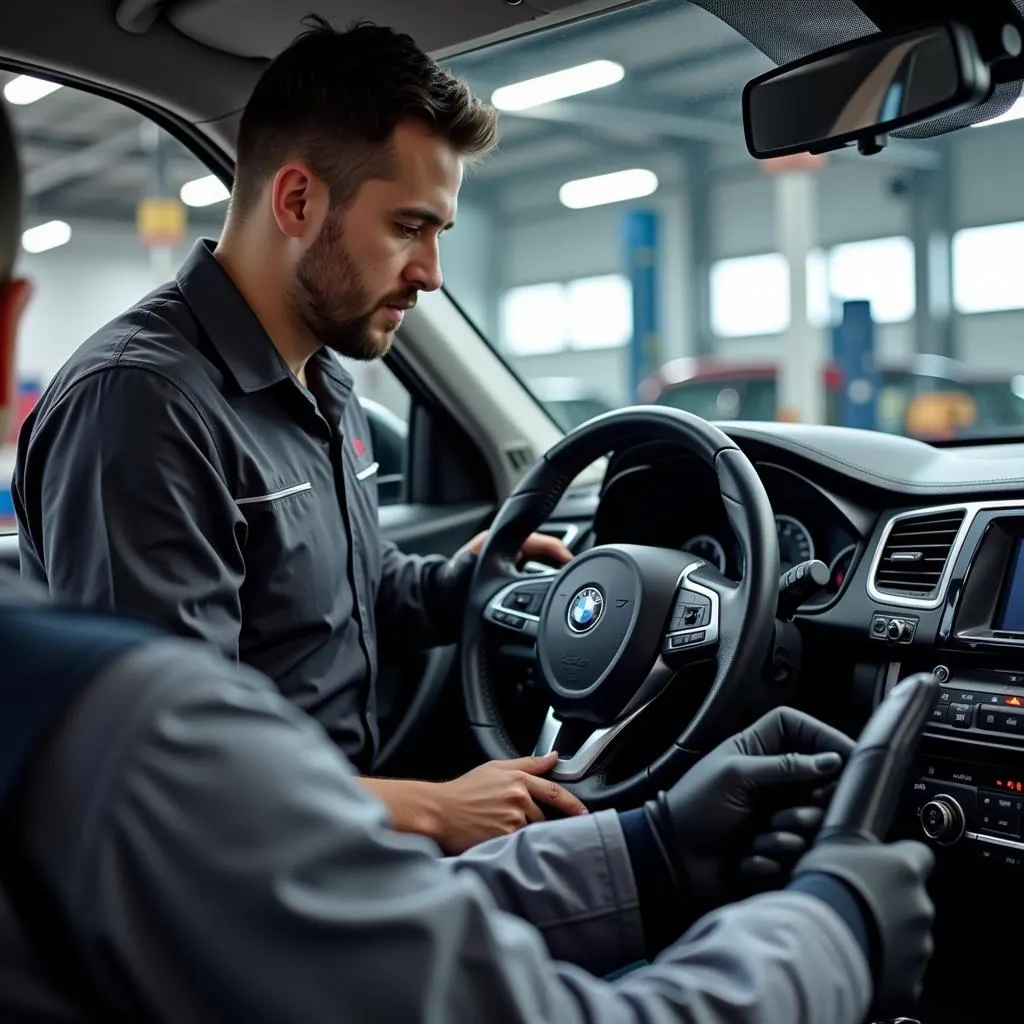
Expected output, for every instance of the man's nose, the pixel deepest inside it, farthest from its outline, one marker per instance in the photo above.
(425, 272)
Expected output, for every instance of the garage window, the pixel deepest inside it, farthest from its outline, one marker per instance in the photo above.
(582, 314)
(750, 294)
(987, 265)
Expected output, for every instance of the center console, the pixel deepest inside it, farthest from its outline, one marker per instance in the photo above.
(968, 792)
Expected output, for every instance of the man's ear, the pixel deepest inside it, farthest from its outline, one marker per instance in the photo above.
(13, 300)
(299, 201)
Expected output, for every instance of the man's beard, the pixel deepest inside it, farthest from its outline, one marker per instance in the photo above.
(329, 294)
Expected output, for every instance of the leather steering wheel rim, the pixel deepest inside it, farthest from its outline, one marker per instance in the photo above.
(741, 648)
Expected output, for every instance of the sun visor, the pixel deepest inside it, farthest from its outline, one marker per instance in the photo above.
(262, 28)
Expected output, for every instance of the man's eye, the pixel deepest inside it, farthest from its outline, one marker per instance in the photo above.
(408, 230)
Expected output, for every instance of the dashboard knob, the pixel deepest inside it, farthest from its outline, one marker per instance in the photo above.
(897, 629)
(942, 819)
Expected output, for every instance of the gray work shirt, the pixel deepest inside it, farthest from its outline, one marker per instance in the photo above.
(270, 889)
(176, 470)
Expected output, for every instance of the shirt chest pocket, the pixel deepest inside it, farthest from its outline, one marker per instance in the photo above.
(295, 556)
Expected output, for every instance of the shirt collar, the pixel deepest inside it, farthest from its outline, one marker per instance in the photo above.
(236, 332)
(228, 320)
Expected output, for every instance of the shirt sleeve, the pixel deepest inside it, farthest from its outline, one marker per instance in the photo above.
(414, 604)
(123, 504)
(218, 862)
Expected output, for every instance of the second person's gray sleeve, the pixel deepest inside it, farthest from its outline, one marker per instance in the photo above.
(233, 869)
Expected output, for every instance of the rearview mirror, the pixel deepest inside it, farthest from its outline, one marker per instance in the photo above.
(861, 90)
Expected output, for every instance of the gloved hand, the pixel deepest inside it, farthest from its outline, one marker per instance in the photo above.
(889, 881)
(746, 808)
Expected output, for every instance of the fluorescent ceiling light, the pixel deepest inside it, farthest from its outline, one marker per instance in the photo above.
(26, 89)
(534, 91)
(203, 191)
(45, 236)
(1015, 111)
(608, 188)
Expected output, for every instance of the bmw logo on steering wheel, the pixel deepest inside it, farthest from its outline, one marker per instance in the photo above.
(585, 609)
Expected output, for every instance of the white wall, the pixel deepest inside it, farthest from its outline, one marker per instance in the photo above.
(82, 285)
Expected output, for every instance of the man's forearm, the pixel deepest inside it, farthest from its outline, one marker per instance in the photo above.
(414, 806)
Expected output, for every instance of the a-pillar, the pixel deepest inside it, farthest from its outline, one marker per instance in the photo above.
(802, 351)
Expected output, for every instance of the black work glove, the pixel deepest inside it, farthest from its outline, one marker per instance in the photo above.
(747, 808)
(889, 881)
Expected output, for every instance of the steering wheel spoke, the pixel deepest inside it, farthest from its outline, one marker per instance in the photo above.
(695, 623)
(589, 747)
(516, 608)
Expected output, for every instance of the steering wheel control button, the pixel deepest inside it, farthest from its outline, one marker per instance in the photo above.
(942, 819)
(691, 610)
(682, 640)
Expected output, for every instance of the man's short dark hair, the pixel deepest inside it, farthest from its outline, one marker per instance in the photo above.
(334, 98)
(10, 197)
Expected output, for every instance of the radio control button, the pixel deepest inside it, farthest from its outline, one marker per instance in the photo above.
(996, 720)
(942, 819)
(960, 715)
(987, 718)
(1012, 804)
(1002, 822)
(1011, 859)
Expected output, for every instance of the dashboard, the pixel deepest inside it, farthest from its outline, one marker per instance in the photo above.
(682, 509)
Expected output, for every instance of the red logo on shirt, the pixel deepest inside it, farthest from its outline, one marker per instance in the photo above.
(359, 446)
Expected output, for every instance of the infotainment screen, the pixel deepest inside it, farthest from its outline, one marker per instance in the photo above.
(1011, 604)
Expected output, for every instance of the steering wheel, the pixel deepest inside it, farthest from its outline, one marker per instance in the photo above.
(621, 622)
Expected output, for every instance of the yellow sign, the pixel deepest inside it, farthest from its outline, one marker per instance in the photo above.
(940, 415)
(161, 220)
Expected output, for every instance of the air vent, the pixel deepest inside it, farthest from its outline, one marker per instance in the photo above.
(519, 456)
(916, 552)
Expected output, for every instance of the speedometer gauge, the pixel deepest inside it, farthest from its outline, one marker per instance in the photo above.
(707, 547)
(795, 544)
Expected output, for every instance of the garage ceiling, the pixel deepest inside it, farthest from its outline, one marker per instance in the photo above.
(88, 157)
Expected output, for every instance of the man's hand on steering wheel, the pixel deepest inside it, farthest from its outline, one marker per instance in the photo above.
(538, 547)
(749, 809)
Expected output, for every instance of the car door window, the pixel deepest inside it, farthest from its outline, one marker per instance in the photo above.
(386, 404)
(113, 205)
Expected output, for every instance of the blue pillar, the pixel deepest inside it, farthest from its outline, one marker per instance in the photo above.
(853, 349)
(640, 238)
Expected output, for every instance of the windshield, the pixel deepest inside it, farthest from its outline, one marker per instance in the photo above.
(622, 244)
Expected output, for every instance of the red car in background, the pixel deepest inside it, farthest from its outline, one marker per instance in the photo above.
(929, 397)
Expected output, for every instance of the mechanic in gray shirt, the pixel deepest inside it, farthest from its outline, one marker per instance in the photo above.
(202, 462)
